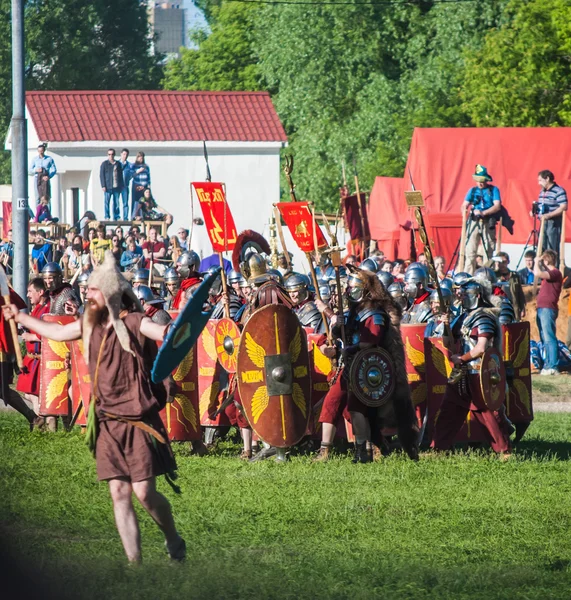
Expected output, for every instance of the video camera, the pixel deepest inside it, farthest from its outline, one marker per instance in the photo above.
(537, 208)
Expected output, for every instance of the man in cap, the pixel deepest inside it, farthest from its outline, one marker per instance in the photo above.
(131, 445)
(484, 202)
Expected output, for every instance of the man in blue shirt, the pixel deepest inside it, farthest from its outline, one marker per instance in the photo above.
(552, 204)
(43, 169)
(483, 201)
(526, 274)
(127, 176)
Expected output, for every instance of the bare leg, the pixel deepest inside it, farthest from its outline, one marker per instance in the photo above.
(158, 507)
(125, 517)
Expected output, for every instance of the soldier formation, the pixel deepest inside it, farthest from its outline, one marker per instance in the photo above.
(352, 311)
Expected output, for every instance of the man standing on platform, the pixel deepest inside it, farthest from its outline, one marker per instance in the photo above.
(484, 201)
(126, 432)
(43, 169)
(552, 206)
(111, 177)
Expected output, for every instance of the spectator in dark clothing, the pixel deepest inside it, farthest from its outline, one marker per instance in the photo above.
(141, 178)
(43, 212)
(526, 274)
(127, 176)
(548, 307)
(111, 176)
(514, 291)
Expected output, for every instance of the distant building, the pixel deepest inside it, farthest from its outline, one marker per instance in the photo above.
(243, 135)
(168, 22)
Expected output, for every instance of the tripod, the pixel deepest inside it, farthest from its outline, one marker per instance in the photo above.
(533, 237)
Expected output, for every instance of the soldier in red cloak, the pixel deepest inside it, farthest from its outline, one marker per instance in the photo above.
(29, 379)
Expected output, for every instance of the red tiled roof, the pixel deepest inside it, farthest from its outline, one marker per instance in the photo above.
(154, 116)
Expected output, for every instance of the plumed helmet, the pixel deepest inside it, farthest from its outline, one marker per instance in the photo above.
(446, 296)
(486, 274)
(234, 277)
(447, 283)
(385, 278)
(82, 278)
(369, 265)
(144, 294)
(255, 268)
(190, 260)
(460, 279)
(172, 276)
(52, 269)
(140, 276)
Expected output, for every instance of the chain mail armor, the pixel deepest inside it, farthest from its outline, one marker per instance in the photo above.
(59, 297)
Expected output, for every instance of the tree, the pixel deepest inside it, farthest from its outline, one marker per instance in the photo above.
(520, 77)
(223, 60)
(101, 44)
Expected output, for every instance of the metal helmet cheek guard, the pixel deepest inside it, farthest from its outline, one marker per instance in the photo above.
(355, 288)
(471, 294)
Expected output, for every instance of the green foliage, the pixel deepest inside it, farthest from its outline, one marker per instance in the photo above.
(448, 527)
(224, 59)
(102, 44)
(520, 77)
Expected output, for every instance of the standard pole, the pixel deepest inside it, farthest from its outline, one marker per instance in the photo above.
(19, 150)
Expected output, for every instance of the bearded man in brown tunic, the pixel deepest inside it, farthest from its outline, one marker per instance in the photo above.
(131, 446)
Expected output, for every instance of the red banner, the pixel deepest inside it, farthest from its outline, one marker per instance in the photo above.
(303, 228)
(356, 217)
(6, 219)
(217, 216)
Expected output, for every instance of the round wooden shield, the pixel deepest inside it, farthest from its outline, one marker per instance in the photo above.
(227, 338)
(372, 376)
(273, 376)
(493, 379)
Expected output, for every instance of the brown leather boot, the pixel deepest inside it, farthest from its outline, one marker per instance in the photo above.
(323, 455)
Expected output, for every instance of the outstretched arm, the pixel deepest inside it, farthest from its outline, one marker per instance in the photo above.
(53, 331)
(153, 330)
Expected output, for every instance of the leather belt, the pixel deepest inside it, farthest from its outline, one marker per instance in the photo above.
(136, 423)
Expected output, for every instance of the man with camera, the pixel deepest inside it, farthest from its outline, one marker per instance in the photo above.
(484, 202)
(550, 206)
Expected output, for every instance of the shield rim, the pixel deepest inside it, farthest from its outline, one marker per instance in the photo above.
(279, 307)
(353, 377)
(486, 357)
(223, 352)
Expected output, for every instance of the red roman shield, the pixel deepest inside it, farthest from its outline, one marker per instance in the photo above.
(80, 383)
(517, 356)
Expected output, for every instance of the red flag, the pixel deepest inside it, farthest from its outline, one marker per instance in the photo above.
(356, 218)
(302, 225)
(6, 218)
(217, 215)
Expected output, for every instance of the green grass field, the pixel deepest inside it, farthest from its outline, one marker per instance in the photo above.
(462, 526)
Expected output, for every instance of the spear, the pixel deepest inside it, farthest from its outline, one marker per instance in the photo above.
(360, 204)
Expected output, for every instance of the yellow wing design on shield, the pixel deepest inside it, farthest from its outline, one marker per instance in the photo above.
(415, 356)
(419, 394)
(208, 397)
(299, 399)
(209, 344)
(184, 367)
(256, 353)
(187, 410)
(56, 387)
(522, 351)
(60, 348)
(295, 346)
(260, 401)
(322, 363)
(442, 365)
(523, 394)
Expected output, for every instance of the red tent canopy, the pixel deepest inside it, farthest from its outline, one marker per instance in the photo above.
(441, 163)
(387, 214)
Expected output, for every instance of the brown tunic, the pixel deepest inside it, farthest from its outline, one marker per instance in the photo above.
(124, 388)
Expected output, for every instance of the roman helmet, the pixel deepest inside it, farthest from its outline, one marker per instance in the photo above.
(248, 257)
(460, 279)
(145, 295)
(415, 280)
(447, 283)
(324, 290)
(82, 278)
(52, 275)
(471, 294)
(486, 274)
(140, 276)
(397, 293)
(187, 262)
(297, 282)
(234, 277)
(385, 278)
(446, 296)
(369, 265)
(355, 287)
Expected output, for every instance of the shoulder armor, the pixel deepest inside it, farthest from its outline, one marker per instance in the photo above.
(309, 315)
(484, 320)
(161, 317)
(507, 313)
(379, 316)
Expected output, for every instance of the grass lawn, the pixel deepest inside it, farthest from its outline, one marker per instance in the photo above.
(462, 526)
(555, 388)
